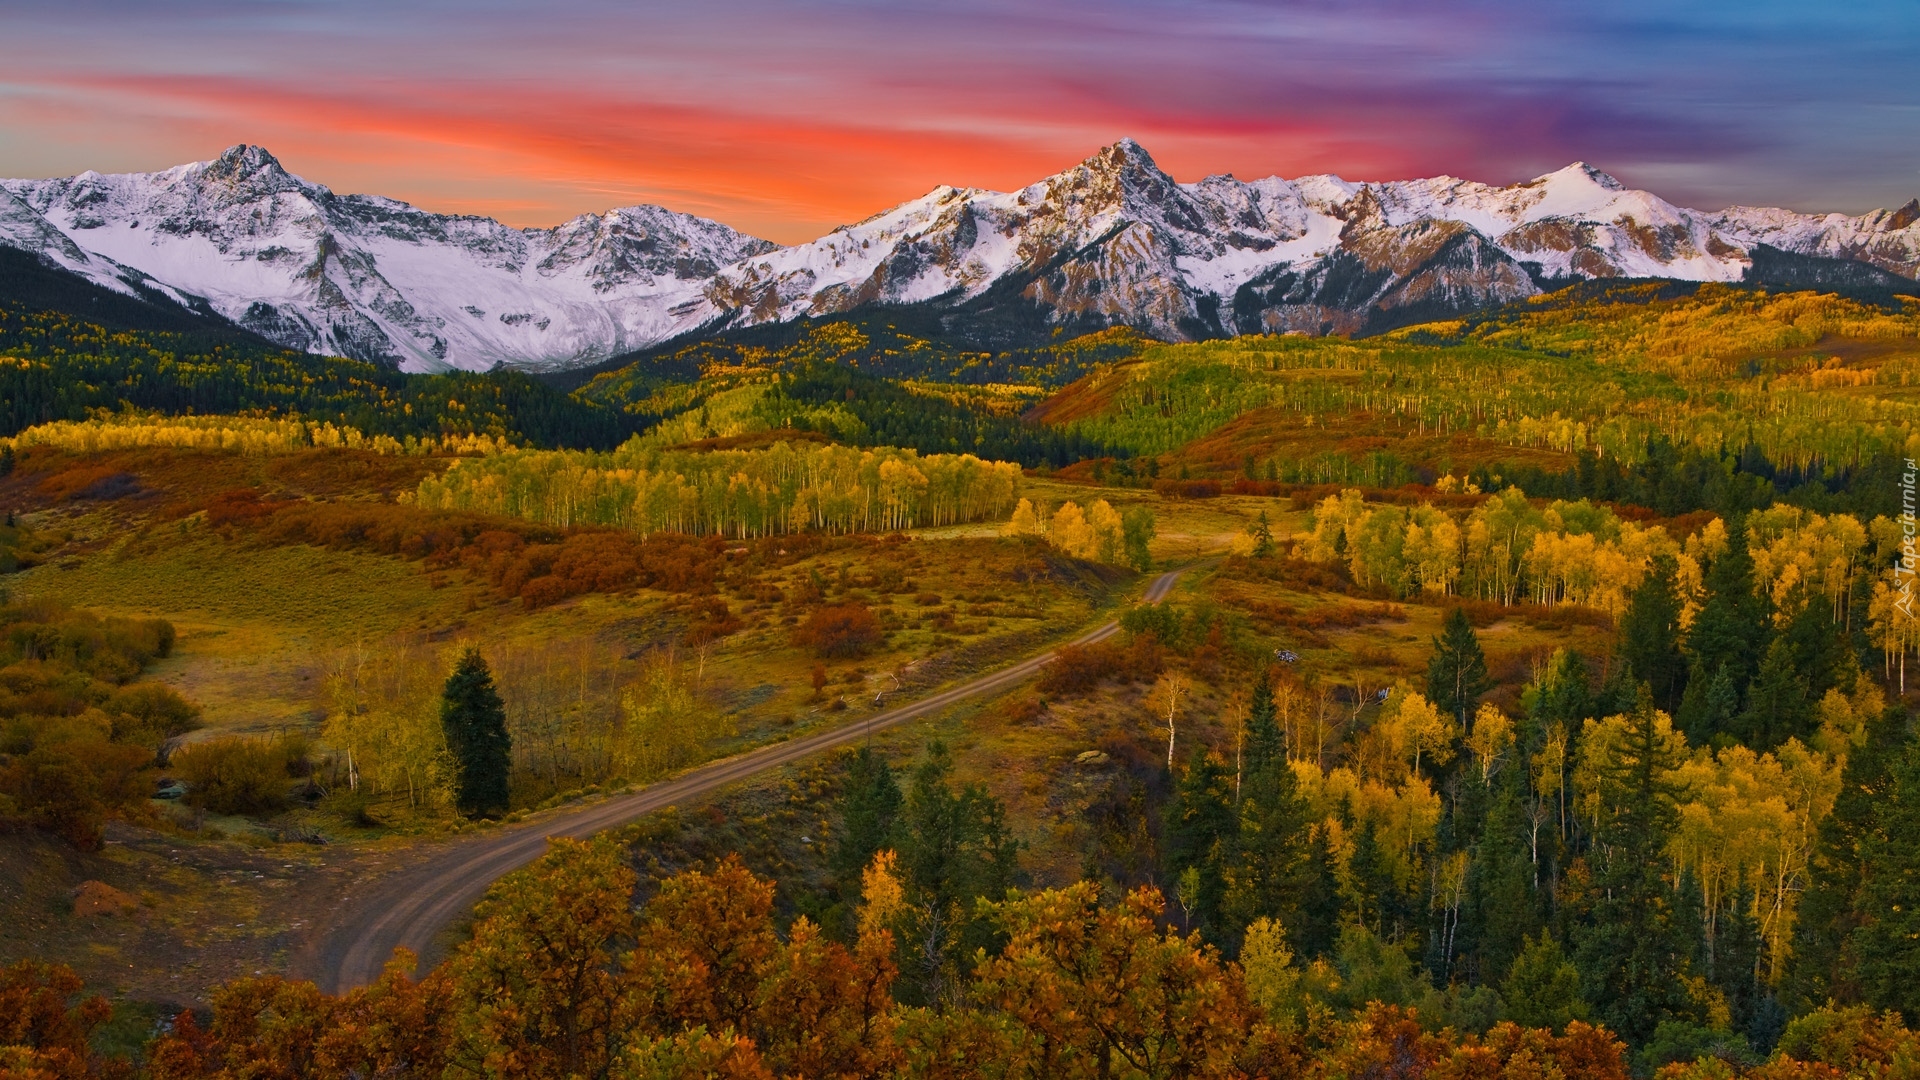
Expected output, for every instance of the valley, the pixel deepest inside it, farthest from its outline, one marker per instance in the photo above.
(1325, 666)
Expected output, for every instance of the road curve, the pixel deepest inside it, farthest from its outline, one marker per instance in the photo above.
(409, 908)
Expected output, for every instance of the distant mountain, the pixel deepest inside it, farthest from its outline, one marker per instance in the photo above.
(371, 278)
(1111, 241)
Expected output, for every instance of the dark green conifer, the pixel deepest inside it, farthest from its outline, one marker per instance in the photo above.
(1506, 904)
(1650, 634)
(1777, 706)
(870, 806)
(1265, 741)
(1457, 674)
(1543, 988)
(1375, 900)
(955, 848)
(1269, 871)
(1262, 537)
(475, 722)
(1886, 945)
(1821, 968)
(1729, 632)
(1631, 949)
(1201, 828)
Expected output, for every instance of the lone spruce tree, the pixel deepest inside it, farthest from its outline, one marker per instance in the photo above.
(475, 721)
(1457, 674)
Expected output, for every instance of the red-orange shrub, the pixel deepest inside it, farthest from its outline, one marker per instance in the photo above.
(839, 630)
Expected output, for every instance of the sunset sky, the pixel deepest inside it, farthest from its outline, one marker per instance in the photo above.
(785, 119)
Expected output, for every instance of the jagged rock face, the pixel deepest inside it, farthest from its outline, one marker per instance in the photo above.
(1116, 240)
(1113, 240)
(374, 278)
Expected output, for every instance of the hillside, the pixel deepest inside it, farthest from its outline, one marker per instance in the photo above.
(1538, 680)
(1798, 389)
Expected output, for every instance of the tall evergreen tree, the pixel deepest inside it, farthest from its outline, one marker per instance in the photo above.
(1630, 948)
(1650, 634)
(1821, 967)
(1262, 533)
(1269, 871)
(475, 721)
(870, 806)
(1820, 645)
(954, 844)
(1543, 987)
(1265, 741)
(1505, 903)
(1777, 705)
(1457, 674)
(1201, 829)
(955, 848)
(1886, 946)
(1730, 961)
(1318, 929)
(1376, 901)
(1725, 641)
(1564, 695)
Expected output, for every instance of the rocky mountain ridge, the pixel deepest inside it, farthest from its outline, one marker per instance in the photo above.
(1113, 240)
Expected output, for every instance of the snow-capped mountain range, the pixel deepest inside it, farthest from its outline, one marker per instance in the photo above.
(1113, 240)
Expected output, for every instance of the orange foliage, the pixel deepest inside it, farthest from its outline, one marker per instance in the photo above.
(41, 1036)
(839, 630)
(560, 979)
(1077, 669)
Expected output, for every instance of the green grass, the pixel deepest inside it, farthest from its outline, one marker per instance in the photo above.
(255, 623)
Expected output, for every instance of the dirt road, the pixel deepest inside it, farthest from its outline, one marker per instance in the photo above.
(410, 907)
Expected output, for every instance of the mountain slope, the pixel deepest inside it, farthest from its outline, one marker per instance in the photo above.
(1116, 240)
(372, 278)
(1111, 241)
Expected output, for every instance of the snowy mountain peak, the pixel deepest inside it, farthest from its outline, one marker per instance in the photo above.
(1580, 173)
(245, 162)
(1111, 240)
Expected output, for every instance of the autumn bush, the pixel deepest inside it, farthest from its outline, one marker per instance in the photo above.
(78, 734)
(839, 630)
(45, 1025)
(1078, 669)
(239, 775)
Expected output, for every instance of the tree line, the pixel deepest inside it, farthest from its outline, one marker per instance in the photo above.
(564, 978)
(1838, 576)
(785, 488)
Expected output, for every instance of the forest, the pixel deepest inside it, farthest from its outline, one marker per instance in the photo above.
(1533, 703)
(783, 488)
(54, 366)
(1814, 383)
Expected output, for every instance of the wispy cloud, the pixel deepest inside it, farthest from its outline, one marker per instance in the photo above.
(787, 118)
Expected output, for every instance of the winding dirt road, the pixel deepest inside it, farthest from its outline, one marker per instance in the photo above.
(410, 907)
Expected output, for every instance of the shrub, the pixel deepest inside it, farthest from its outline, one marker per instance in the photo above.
(839, 630)
(69, 785)
(1076, 669)
(236, 775)
(150, 713)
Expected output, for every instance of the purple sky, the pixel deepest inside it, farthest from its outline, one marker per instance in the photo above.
(785, 119)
